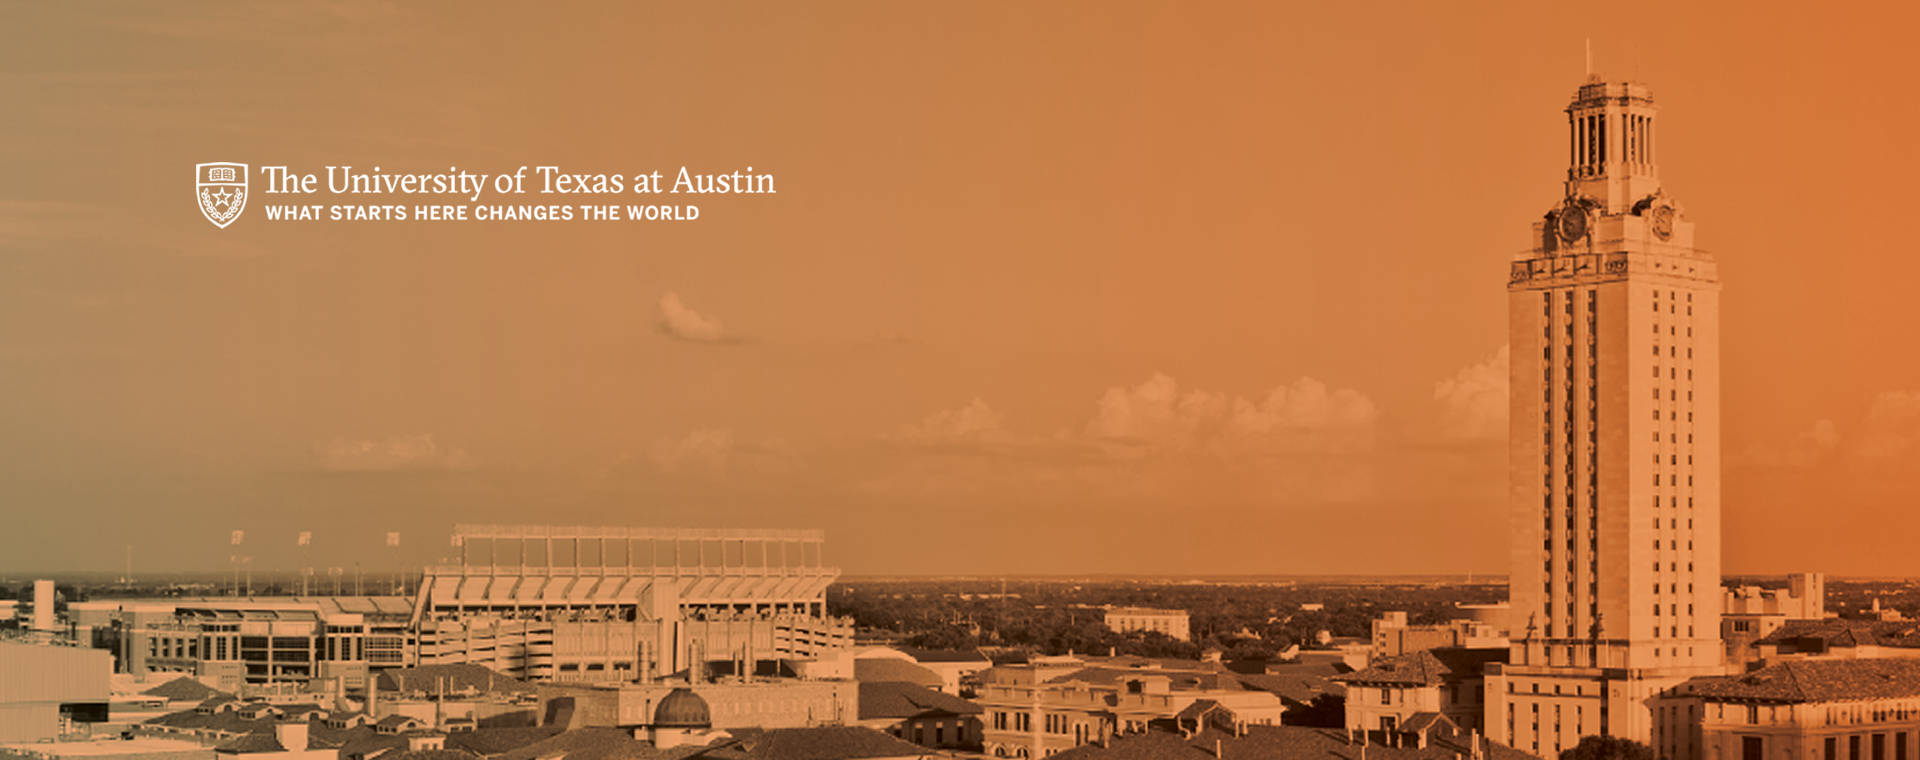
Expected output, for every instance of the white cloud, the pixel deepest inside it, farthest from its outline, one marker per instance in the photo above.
(1152, 443)
(679, 321)
(1304, 416)
(1474, 401)
(396, 453)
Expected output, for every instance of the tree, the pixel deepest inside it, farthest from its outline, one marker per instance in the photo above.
(1607, 748)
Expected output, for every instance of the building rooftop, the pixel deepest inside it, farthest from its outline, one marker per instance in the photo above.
(823, 743)
(871, 669)
(594, 744)
(1835, 632)
(946, 655)
(251, 743)
(1179, 679)
(681, 708)
(275, 607)
(456, 679)
(1815, 681)
(185, 688)
(1427, 667)
(1299, 681)
(891, 699)
(1145, 611)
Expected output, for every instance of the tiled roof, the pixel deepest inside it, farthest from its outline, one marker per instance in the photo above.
(218, 701)
(1816, 681)
(363, 742)
(823, 743)
(890, 669)
(252, 743)
(1197, 710)
(1422, 722)
(493, 741)
(185, 688)
(594, 744)
(893, 699)
(224, 722)
(1427, 667)
(1846, 633)
(1299, 682)
(946, 655)
(459, 678)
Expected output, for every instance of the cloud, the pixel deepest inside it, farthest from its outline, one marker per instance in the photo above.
(396, 453)
(700, 450)
(973, 422)
(1303, 416)
(1474, 401)
(1145, 446)
(1892, 426)
(1886, 437)
(679, 321)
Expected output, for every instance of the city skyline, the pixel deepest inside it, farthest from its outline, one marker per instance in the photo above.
(1150, 293)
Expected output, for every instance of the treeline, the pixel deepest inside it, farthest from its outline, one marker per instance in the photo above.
(1051, 617)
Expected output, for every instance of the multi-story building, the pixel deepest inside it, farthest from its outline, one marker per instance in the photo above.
(540, 603)
(622, 604)
(1750, 613)
(733, 703)
(1614, 458)
(49, 691)
(1866, 709)
(1393, 635)
(920, 715)
(1053, 704)
(235, 641)
(1837, 639)
(1172, 623)
(1394, 692)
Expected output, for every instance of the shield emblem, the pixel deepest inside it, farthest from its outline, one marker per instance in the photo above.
(222, 190)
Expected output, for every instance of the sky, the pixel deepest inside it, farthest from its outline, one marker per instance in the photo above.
(1078, 287)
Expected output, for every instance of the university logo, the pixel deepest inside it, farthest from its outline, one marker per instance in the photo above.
(222, 188)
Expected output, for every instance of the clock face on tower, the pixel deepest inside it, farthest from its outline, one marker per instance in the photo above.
(1572, 222)
(1663, 222)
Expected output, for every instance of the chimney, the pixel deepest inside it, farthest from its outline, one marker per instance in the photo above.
(43, 605)
(373, 696)
(1216, 746)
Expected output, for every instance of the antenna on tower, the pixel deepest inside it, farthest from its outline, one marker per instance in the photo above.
(1589, 57)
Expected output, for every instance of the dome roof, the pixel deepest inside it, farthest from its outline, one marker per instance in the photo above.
(682, 708)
